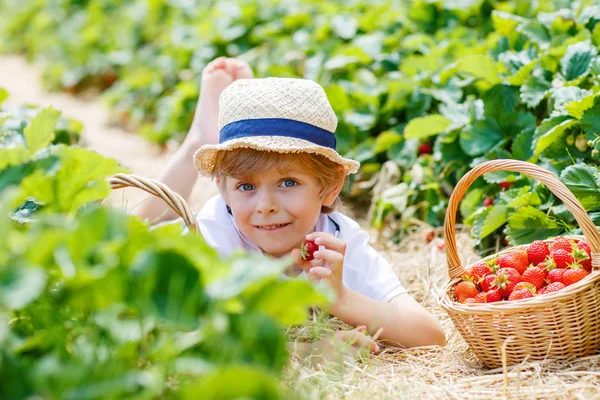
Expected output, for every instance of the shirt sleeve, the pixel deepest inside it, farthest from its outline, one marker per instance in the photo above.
(217, 229)
(365, 270)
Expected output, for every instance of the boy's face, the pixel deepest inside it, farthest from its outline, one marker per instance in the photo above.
(276, 210)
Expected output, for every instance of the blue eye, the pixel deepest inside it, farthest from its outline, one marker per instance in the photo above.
(244, 187)
(289, 183)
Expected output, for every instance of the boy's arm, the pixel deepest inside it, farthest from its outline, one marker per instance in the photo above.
(179, 175)
(404, 321)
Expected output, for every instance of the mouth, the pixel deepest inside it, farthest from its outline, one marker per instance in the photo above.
(271, 227)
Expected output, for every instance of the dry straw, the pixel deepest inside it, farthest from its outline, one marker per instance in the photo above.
(562, 325)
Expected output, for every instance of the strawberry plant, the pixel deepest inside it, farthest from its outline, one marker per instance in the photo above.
(94, 304)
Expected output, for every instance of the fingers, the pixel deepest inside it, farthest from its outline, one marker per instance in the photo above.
(335, 258)
(355, 337)
(317, 273)
(328, 240)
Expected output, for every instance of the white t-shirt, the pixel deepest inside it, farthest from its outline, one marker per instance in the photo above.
(365, 270)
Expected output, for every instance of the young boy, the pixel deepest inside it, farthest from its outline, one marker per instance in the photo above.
(280, 176)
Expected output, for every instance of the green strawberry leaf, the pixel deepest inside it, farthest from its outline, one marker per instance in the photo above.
(288, 301)
(40, 131)
(385, 140)
(522, 145)
(480, 66)
(3, 95)
(550, 130)
(527, 224)
(423, 127)
(590, 122)
(584, 181)
(536, 87)
(479, 138)
(496, 217)
(576, 61)
(21, 285)
(536, 33)
(500, 100)
(577, 108)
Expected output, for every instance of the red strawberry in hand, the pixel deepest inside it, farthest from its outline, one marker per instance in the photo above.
(307, 250)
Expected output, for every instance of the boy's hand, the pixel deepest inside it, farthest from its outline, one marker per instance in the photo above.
(342, 345)
(329, 260)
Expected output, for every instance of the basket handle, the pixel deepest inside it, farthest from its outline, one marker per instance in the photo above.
(158, 189)
(455, 268)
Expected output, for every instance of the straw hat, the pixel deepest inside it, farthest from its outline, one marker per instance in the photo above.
(274, 114)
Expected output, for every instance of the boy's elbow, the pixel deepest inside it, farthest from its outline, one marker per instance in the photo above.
(437, 335)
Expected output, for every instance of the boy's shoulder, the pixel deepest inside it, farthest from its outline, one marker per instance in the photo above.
(214, 209)
(347, 226)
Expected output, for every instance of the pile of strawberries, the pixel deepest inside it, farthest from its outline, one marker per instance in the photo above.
(527, 272)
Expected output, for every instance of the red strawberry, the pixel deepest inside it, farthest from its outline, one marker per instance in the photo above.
(525, 285)
(506, 279)
(537, 252)
(551, 288)
(583, 255)
(535, 276)
(515, 259)
(493, 296)
(425, 148)
(471, 300)
(520, 294)
(488, 201)
(561, 242)
(486, 283)
(562, 257)
(505, 185)
(307, 250)
(481, 297)
(556, 275)
(574, 274)
(477, 272)
(463, 290)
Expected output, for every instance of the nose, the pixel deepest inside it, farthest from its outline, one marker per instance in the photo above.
(267, 203)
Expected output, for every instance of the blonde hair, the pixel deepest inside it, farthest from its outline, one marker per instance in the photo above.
(244, 163)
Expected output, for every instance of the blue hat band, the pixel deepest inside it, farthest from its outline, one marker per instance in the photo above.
(277, 127)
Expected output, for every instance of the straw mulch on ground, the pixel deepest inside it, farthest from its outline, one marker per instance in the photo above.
(451, 372)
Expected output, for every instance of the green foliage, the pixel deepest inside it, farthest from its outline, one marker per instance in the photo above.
(95, 305)
(474, 80)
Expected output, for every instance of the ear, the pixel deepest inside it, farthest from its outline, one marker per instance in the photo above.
(330, 197)
(221, 190)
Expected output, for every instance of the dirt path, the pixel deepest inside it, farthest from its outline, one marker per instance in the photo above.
(23, 83)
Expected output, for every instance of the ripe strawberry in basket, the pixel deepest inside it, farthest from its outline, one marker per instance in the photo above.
(536, 276)
(556, 275)
(464, 290)
(477, 272)
(514, 259)
(506, 279)
(551, 288)
(573, 274)
(583, 255)
(486, 283)
(520, 294)
(562, 257)
(537, 252)
(561, 242)
(525, 285)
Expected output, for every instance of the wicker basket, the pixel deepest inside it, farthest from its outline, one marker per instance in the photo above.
(173, 200)
(562, 325)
